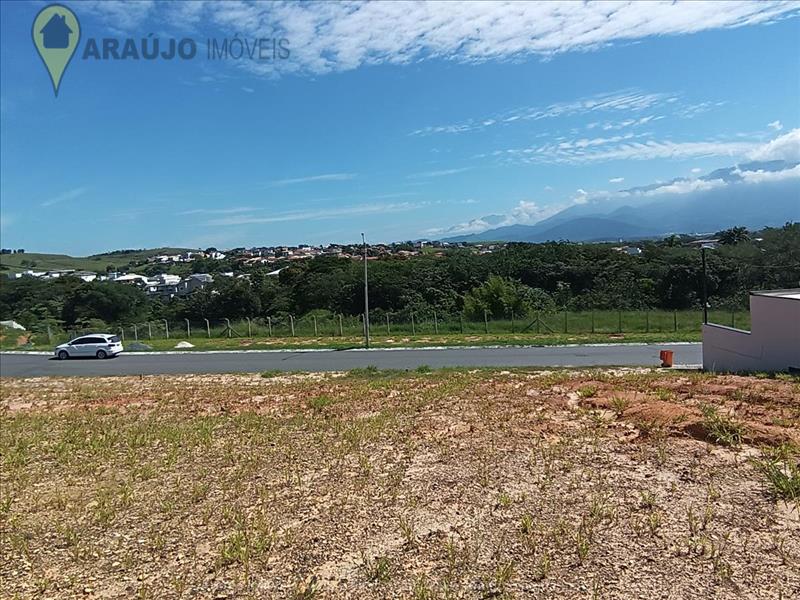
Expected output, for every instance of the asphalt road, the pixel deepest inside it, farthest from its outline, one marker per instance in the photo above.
(30, 365)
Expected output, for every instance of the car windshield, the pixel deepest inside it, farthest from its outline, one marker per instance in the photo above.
(114, 339)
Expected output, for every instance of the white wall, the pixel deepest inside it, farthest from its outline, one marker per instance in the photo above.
(773, 344)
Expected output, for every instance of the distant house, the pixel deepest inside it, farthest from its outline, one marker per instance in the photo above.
(196, 281)
(772, 344)
(133, 278)
(86, 275)
(56, 32)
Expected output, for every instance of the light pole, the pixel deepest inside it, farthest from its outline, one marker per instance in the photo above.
(705, 287)
(366, 294)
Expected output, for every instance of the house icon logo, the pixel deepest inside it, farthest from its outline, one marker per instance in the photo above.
(56, 33)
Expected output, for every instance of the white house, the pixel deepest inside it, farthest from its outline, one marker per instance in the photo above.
(772, 344)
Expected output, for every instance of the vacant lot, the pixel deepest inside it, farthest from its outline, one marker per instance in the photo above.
(451, 484)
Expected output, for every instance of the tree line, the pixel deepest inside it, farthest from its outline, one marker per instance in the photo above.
(518, 278)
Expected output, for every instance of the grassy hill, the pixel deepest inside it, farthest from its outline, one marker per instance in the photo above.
(96, 262)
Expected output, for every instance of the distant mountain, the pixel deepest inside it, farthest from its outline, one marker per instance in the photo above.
(745, 195)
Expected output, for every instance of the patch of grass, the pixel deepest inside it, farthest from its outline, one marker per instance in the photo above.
(318, 403)
(587, 391)
(378, 569)
(619, 405)
(720, 427)
(782, 471)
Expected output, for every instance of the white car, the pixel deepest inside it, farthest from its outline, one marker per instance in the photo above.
(98, 345)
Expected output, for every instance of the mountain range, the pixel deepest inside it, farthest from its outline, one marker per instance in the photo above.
(754, 195)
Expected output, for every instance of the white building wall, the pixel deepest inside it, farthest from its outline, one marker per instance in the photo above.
(773, 344)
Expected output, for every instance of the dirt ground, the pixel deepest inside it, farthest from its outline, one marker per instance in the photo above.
(446, 484)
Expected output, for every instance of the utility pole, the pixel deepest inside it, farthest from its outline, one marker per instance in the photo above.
(705, 286)
(366, 295)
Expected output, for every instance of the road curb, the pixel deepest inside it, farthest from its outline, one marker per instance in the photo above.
(392, 349)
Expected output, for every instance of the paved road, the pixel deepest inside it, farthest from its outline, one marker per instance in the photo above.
(19, 365)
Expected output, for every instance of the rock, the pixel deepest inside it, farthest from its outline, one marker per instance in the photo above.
(184, 345)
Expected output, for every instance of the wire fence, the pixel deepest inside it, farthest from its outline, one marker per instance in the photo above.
(387, 325)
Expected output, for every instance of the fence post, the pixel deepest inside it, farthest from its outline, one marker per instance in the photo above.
(188, 329)
(675, 321)
(565, 320)
(461, 322)
(619, 321)
(314, 318)
(228, 326)
(413, 327)
(291, 321)
(592, 313)
(387, 324)
(149, 331)
(435, 324)
(249, 328)
(122, 333)
(341, 331)
(486, 321)
(166, 328)
(135, 333)
(538, 322)
(647, 321)
(208, 327)
(269, 326)
(512, 321)
(733, 318)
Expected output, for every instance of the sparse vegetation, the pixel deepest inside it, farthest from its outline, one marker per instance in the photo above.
(372, 484)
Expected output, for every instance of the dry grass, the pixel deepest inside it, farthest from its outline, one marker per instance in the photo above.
(448, 484)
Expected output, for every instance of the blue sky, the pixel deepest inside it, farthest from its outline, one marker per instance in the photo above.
(402, 120)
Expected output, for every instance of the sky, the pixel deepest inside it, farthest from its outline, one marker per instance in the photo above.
(402, 120)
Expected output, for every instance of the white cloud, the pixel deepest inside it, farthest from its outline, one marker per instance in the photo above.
(785, 147)
(66, 196)
(313, 215)
(441, 173)
(697, 170)
(121, 16)
(313, 178)
(776, 125)
(769, 176)
(616, 180)
(327, 36)
(217, 211)
(625, 148)
(622, 100)
(249, 90)
(684, 186)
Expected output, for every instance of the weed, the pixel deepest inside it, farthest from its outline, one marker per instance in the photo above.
(647, 500)
(665, 395)
(318, 403)
(378, 570)
(720, 427)
(587, 391)
(619, 405)
(527, 524)
(783, 476)
(423, 369)
(407, 530)
(542, 567)
(370, 371)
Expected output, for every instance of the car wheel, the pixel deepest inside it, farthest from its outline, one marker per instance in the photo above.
(101, 354)
(63, 355)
